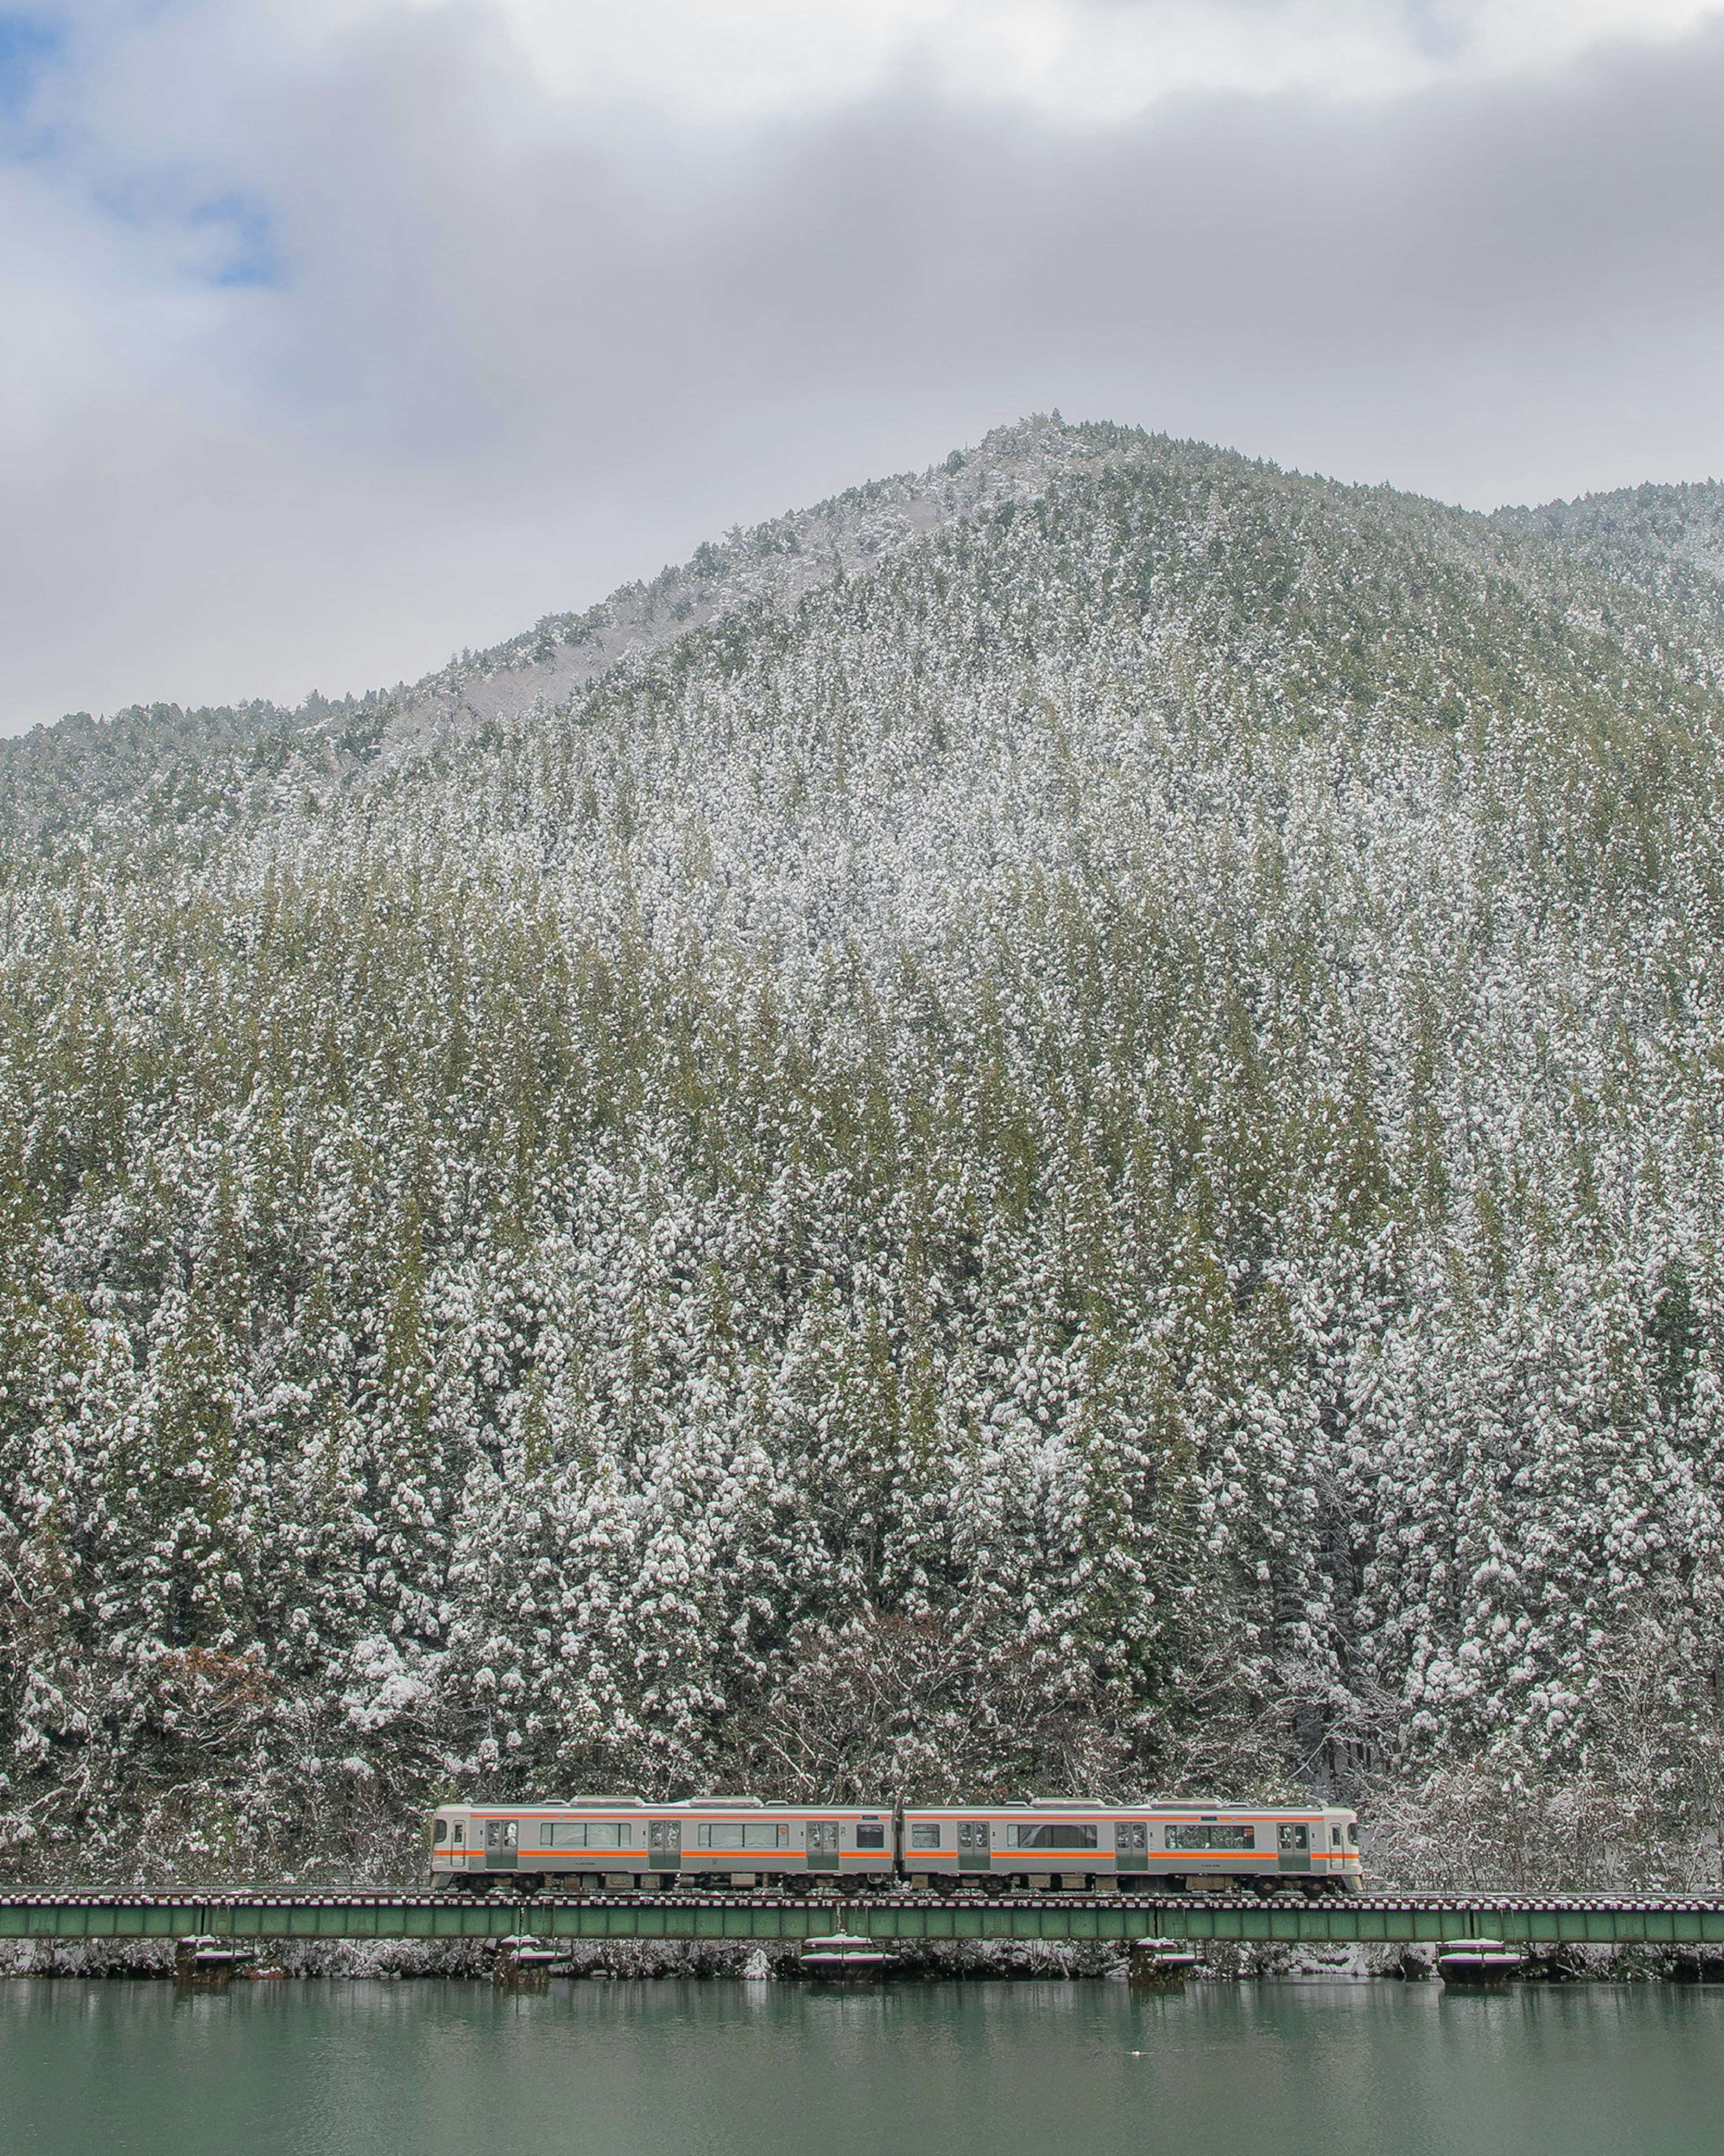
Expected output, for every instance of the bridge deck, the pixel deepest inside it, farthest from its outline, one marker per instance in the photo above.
(356, 1915)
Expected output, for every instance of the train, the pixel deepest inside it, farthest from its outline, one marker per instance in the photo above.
(592, 1845)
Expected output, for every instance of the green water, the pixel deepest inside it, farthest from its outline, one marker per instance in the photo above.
(442, 2069)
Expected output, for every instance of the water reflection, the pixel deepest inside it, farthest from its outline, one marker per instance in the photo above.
(754, 2069)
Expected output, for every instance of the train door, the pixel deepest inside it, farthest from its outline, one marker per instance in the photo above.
(823, 1845)
(665, 1844)
(502, 1845)
(1295, 1846)
(1131, 1846)
(975, 1845)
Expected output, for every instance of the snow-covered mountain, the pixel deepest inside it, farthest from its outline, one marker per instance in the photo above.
(1053, 1124)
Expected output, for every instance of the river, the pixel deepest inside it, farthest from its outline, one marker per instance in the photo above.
(438, 2068)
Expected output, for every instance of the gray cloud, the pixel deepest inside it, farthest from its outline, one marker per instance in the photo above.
(512, 359)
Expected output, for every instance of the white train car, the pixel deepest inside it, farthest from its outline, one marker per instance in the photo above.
(1076, 1842)
(587, 1844)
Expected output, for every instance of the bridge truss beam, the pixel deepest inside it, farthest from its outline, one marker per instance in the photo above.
(1517, 1921)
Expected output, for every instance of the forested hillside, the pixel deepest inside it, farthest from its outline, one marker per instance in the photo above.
(1073, 1143)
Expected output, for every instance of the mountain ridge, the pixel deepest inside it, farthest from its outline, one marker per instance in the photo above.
(1669, 527)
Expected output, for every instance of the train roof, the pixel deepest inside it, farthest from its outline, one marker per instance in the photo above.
(1198, 1807)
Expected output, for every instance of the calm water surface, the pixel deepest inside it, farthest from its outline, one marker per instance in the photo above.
(444, 2069)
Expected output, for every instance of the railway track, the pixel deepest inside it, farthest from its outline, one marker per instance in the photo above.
(250, 1914)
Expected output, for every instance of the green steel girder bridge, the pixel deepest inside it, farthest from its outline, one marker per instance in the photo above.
(253, 1916)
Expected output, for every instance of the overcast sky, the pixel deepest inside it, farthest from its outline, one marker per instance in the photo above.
(340, 333)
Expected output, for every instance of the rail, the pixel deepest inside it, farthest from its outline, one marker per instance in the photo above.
(1519, 1920)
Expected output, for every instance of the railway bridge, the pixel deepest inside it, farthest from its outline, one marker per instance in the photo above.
(248, 1915)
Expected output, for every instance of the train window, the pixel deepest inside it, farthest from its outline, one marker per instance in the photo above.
(925, 1837)
(1352, 1832)
(1065, 1835)
(1212, 1835)
(439, 1832)
(585, 1834)
(460, 1834)
(1335, 1837)
(1131, 1834)
(870, 1837)
(1294, 1835)
(501, 1834)
(741, 1834)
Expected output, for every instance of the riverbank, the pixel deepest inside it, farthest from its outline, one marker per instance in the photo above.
(984, 1960)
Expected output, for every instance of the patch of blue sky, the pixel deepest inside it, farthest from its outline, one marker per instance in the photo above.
(225, 239)
(238, 242)
(227, 233)
(29, 44)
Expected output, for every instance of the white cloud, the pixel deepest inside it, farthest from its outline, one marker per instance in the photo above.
(1083, 59)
